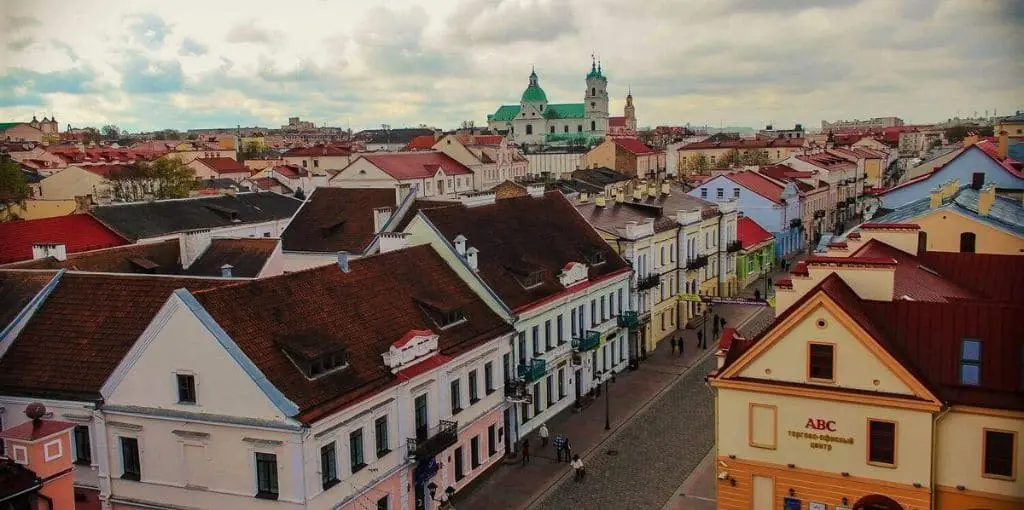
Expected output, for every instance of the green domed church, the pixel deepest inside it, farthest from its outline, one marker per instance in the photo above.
(534, 120)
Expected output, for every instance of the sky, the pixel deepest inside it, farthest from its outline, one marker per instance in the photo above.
(146, 65)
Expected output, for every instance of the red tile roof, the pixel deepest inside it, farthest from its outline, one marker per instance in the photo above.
(912, 279)
(635, 146)
(78, 232)
(318, 150)
(889, 226)
(616, 122)
(486, 140)
(104, 171)
(413, 333)
(745, 144)
(34, 431)
(420, 143)
(759, 184)
(750, 233)
(224, 165)
(17, 288)
(336, 219)
(291, 171)
(363, 312)
(519, 236)
(992, 150)
(416, 165)
(83, 330)
(827, 161)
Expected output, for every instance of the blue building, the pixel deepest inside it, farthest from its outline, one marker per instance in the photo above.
(775, 207)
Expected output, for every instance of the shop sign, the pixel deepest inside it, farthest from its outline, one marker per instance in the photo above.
(790, 504)
(819, 432)
(817, 506)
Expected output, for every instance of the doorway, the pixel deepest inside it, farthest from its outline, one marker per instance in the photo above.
(578, 375)
(764, 493)
(876, 502)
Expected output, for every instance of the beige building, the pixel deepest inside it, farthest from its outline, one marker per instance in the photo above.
(77, 181)
(318, 158)
(1013, 125)
(713, 150)
(627, 156)
(490, 158)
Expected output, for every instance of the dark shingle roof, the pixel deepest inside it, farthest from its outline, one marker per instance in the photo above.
(522, 235)
(363, 312)
(17, 288)
(246, 256)
(153, 219)
(336, 219)
(600, 176)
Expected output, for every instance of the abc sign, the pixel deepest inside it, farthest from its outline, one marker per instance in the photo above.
(820, 424)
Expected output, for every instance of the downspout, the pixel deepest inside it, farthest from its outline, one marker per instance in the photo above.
(943, 411)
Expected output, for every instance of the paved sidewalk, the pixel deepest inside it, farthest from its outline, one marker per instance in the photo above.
(699, 490)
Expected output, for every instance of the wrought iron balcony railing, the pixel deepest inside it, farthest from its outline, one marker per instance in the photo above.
(647, 282)
(697, 262)
(533, 370)
(629, 319)
(433, 440)
(734, 246)
(590, 340)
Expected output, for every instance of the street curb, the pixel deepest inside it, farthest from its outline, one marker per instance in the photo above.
(614, 433)
(680, 491)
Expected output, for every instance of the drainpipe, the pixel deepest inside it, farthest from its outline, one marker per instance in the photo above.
(943, 411)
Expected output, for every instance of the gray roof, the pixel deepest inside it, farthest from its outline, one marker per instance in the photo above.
(601, 176)
(1005, 214)
(143, 220)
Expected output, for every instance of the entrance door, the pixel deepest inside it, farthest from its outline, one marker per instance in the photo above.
(579, 383)
(440, 187)
(764, 493)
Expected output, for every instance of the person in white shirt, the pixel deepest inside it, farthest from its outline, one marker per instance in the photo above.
(577, 464)
(543, 435)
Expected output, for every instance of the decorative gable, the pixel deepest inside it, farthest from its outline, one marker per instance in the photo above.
(572, 273)
(414, 347)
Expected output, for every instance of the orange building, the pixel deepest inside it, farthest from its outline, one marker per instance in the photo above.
(38, 473)
(891, 380)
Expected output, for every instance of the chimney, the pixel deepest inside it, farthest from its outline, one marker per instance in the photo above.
(192, 244)
(936, 197)
(620, 195)
(44, 250)
(970, 140)
(225, 270)
(665, 188)
(381, 215)
(638, 193)
(986, 197)
(460, 244)
(652, 190)
(584, 196)
(471, 257)
(599, 200)
(1004, 144)
(343, 261)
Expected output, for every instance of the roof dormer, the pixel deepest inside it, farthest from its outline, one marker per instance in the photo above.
(414, 347)
(313, 354)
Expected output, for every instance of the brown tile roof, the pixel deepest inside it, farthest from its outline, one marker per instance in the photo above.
(79, 335)
(362, 311)
(224, 166)
(997, 277)
(246, 256)
(913, 279)
(336, 219)
(30, 431)
(416, 164)
(17, 288)
(163, 257)
(517, 236)
(614, 215)
(319, 150)
(744, 144)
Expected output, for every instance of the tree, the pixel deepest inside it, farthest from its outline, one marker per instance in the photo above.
(165, 178)
(697, 165)
(110, 132)
(255, 150)
(91, 135)
(731, 157)
(174, 178)
(753, 158)
(13, 189)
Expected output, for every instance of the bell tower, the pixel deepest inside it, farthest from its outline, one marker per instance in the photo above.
(629, 112)
(595, 100)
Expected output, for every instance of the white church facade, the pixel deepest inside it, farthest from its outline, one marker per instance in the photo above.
(534, 120)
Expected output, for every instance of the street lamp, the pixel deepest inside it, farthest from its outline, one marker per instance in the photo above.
(607, 401)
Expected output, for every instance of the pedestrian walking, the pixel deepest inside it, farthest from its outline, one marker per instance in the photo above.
(568, 450)
(716, 324)
(700, 339)
(526, 452)
(559, 442)
(543, 435)
(682, 342)
(673, 345)
(577, 464)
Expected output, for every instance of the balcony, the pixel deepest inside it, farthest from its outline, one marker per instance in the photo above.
(517, 391)
(647, 282)
(431, 441)
(697, 262)
(533, 371)
(629, 319)
(589, 341)
(734, 246)
(796, 223)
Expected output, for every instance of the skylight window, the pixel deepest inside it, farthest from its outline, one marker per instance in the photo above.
(970, 362)
(531, 280)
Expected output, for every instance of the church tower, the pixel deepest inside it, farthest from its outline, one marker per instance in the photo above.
(595, 100)
(629, 112)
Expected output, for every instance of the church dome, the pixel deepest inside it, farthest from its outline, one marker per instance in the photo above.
(533, 92)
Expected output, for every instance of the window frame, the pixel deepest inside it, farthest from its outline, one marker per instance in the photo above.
(775, 426)
(455, 387)
(895, 444)
(460, 464)
(126, 474)
(273, 486)
(332, 449)
(474, 452)
(474, 387)
(191, 386)
(79, 459)
(356, 456)
(1013, 454)
(383, 447)
(488, 378)
(810, 348)
(965, 362)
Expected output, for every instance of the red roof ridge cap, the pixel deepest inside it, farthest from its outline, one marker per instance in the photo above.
(853, 260)
(890, 226)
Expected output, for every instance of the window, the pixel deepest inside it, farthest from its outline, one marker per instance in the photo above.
(535, 334)
(736, 193)
(355, 454)
(550, 388)
(703, 193)
(622, 351)
(593, 125)
(460, 471)
(489, 377)
(474, 395)
(522, 347)
(529, 129)
(620, 300)
(83, 453)
(579, 128)
(53, 450)
(560, 329)
(384, 503)
(305, 164)
(593, 312)
(266, 475)
(970, 362)
(604, 309)
(572, 320)
(421, 410)
(316, 163)
(536, 399)
(131, 468)
(328, 466)
(456, 397)
(474, 452)
(763, 426)
(593, 92)
(821, 362)
(977, 180)
(967, 240)
(186, 388)
(882, 443)
(380, 435)
(492, 440)
(561, 383)
(547, 335)
(552, 130)
(566, 129)
(999, 449)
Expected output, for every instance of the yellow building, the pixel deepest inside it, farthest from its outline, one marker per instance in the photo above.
(1013, 125)
(964, 219)
(859, 397)
(714, 149)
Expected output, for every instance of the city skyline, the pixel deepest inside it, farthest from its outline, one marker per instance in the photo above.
(149, 66)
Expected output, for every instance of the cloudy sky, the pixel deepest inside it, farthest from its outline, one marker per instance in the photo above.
(145, 64)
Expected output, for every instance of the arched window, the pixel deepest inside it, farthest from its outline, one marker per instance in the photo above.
(541, 107)
(529, 129)
(593, 91)
(967, 240)
(593, 126)
(566, 130)
(579, 128)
